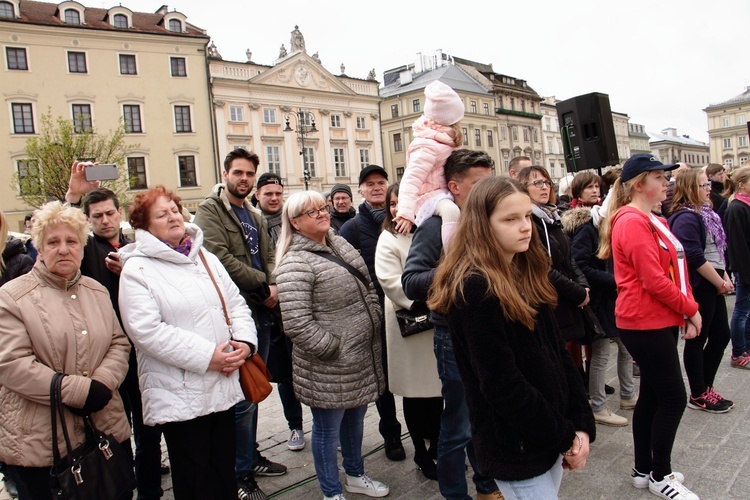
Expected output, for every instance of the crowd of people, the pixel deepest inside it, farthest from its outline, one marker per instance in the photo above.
(150, 333)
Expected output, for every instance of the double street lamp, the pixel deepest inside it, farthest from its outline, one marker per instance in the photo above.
(305, 124)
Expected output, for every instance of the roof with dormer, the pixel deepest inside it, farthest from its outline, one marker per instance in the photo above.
(738, 99)
(451, 75)
(43, 13)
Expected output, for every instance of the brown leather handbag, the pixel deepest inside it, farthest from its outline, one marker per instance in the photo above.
(254, 376)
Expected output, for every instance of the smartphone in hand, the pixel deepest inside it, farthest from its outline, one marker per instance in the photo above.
(102, 172)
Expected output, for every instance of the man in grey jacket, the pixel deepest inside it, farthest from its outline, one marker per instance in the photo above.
(237, 234)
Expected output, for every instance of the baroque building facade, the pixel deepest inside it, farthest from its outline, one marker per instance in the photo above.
(313, 128)
(554, 154)
(728, 130)
(670, 147)
(103, 67)
(638, 139)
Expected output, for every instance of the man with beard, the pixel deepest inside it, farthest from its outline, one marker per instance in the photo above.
(237, 234)
(270, 196)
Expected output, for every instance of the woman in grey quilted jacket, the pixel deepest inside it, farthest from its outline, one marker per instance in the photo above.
(332, 315)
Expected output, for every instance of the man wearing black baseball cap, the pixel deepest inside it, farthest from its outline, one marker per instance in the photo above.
(363, 232)
(643, 162)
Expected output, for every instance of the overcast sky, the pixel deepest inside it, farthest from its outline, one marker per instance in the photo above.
(660, 61)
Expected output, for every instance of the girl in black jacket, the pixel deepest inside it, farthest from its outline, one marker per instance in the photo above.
(508, 346)
(14, 262)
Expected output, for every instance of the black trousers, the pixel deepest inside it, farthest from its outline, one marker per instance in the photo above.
(201, 455)
(422, 417)
(703, 354)
(661, 401)
(389, 426)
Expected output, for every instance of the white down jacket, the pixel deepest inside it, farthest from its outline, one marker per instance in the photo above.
(173, 315)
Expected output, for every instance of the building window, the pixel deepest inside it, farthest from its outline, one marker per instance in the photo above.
(473, 106)
(364, 158)
(549, 148)
(486, 109)
(81, 118)
(415, 106)
(361, 122)
(182, 119)
(514, 131)
(727, 143)
(72, 16)
(465, 132)
(490, 140)
(729, 162)
(188, 177)
(743, 160)
(120, 21)
(175, 25)
(394, 110)
(309, 158)
(236, 114)
(536, 135)
(512, 104)
(307, 118)
(504, 132)
(477, 137)
(16, 58)
(177, 64)
(269, 115)
(742, 141)
(398, 146)
(339, 163)
(137, 173)
(77, 62)
(274, 160)
(336, 121)
(23, 119)
(127, 64)
(523, 105)
(6, 10)
(552, 169)
(29, 181)
(131, 114)
(741, 120)
(725, 122)
(525, 134)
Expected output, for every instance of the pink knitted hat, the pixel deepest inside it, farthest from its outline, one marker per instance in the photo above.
(443, 105)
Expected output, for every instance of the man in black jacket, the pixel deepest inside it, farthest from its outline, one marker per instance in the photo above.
(716, 176)
(341, 199)
(463, 169)
(362, 232)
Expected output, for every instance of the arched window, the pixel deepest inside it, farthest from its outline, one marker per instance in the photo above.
(120, 21)
(175, 25)
(72, 16)
(6, 10)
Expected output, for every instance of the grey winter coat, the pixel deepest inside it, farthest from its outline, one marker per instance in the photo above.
(334, 323)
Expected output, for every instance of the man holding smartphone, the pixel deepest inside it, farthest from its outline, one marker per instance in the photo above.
(102, 263)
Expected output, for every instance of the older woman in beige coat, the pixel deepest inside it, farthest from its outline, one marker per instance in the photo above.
(53, 319)
(412, 371)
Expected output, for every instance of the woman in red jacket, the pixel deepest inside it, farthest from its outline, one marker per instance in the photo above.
(654, 303)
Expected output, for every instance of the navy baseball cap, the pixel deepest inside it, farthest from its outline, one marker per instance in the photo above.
(643, 162)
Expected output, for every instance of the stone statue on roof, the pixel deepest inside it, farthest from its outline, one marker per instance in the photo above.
(282, 51)
(213, 51)
(316, 57)
(249, 55)
(371, 75)
(298, 41)
(343, 69)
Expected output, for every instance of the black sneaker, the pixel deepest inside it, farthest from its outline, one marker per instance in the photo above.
(708, 402)
(248, 489)
(394, 450)
(265, 467)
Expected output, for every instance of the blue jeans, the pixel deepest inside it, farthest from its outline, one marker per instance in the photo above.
(739, 323)
(331, 427)
(544, 487)
(292, 408)
(454, 443)
(246, 413)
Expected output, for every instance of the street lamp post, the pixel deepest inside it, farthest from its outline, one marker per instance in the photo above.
(302, 129)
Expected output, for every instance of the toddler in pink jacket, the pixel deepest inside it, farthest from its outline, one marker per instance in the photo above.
(424, 190)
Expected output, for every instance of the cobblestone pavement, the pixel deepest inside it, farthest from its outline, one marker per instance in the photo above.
(713, 451)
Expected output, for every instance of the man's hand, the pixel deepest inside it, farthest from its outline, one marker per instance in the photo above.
(78, 185)
(112, 261)
(273, 297)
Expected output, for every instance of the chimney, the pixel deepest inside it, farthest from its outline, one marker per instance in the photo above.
(162, 10)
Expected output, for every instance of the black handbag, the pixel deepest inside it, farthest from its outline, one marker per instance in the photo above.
(99, 469)
(593, 328)
(414, 320)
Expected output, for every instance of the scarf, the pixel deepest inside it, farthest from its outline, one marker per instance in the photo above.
(578, 203)
(274, 226)
(184, 247)
(549, 213)
(743, 197)
(713, 224)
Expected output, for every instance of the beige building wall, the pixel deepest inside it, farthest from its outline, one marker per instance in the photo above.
(252, 103)
(622, 135)
(554, 154)
(49, 84)
(728, 130)
(670, 147)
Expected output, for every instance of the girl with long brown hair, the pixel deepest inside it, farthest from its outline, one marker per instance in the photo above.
(495, 291)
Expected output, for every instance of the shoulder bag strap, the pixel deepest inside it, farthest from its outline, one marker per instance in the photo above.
(353, 270)
(57, 410)
(221, 296)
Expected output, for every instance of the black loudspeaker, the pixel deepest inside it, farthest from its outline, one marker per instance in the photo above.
(588, 133)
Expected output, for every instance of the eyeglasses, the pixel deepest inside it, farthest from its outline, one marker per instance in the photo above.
(707, 185)
(315, 213)
(540, 184)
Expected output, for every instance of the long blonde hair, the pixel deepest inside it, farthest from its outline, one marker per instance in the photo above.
(687, 191)
(621, 196)
(520, 287)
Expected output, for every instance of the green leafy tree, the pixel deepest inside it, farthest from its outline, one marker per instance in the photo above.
(44, 175)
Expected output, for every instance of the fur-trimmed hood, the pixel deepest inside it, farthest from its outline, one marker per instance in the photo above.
(575, 218)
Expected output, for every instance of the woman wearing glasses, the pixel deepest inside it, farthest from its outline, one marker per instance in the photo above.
(699, 230)
(569, 282)
(331, 312)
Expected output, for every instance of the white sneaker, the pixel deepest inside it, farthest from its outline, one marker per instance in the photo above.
(365, 486)
(670, 488)
(640, 480)
(340, 496)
